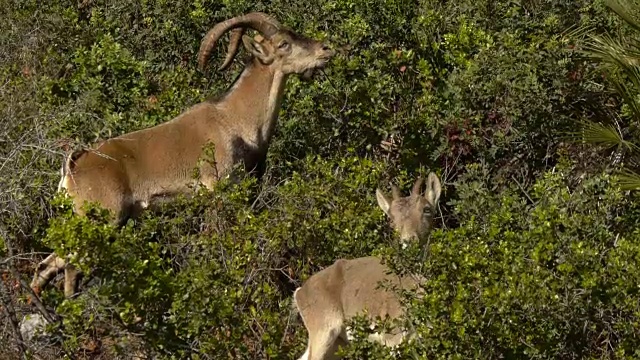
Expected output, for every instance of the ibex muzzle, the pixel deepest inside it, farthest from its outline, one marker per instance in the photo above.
(125, 174)
(329, 298)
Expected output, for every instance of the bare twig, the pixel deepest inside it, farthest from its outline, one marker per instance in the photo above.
(523, 190)
(52, 318)
(34, 298)
(10, 313)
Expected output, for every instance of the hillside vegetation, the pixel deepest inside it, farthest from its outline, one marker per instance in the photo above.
(536, 247)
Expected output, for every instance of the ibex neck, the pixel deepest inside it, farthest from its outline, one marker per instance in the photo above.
(256, 98)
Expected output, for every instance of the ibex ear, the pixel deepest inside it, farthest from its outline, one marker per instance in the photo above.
(383, 201)
(257, 49)
(433, 190)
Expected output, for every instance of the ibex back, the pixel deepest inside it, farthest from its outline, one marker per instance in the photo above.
(125, 174)
(329, 298)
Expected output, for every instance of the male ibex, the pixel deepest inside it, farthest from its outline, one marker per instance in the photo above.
(329, 298)
(125, 174)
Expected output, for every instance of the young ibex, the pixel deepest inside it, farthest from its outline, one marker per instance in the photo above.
(125, 174)
(329, 298)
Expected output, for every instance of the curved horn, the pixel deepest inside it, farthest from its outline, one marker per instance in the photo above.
(261, 22)
(234, 42)
(416, 187)
(395, 192)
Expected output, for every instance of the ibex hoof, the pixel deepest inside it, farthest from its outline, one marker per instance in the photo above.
(36, 290)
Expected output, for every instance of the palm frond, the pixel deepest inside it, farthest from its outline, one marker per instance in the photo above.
(623, 64)
(620, 57)
(613, 52)
(622, 9)
(577, 31)
(628, 95)
(597, 133)
(629, 180)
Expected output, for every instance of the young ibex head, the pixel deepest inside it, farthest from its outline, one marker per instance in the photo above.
(275, 46)
(411, 216)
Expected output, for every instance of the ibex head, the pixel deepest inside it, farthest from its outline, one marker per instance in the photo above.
(411, 216)
(275, 46)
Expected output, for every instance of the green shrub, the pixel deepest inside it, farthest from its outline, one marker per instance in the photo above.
(546, 272)
(477, 91)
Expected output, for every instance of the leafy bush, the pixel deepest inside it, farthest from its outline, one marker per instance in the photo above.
(550, 273)
(528, 261)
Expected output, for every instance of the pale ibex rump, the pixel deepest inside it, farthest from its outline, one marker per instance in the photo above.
(329, 298)
(125, 174)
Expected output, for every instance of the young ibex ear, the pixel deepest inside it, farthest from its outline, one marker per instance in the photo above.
(383, 201)
(433, 190)
(257, 50)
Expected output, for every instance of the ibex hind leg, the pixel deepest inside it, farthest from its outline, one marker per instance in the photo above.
(305, 356)
(47, 269)
(122, 211)
(325, 329)
(71, 275)
(324, 345)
